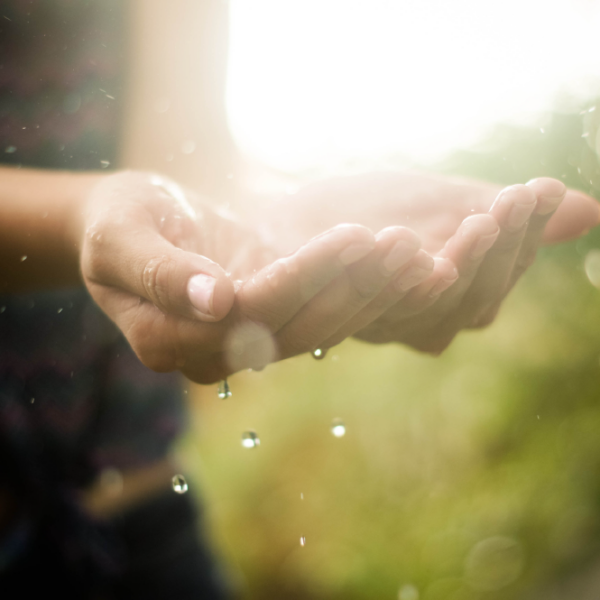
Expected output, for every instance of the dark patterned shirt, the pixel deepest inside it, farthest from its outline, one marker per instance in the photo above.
(73, 396)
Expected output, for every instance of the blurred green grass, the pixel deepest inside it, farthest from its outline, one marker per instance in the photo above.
(497, 437)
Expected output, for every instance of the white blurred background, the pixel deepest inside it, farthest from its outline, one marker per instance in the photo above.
(316, 83)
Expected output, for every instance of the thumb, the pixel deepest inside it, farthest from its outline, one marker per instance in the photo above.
(146, 264)
(577, 214)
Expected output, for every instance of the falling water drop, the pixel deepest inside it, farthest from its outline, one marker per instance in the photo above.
(24, 258)
(223, 390)
(302, 541)
(338, 428)
(319, 354)
(179, 484)
(104, 163)
(250, 439)
(10, 149)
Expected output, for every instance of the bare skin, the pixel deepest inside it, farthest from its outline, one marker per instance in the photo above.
(449, 215)
(196, 291)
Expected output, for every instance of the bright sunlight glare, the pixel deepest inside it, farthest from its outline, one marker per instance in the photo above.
(313, 83)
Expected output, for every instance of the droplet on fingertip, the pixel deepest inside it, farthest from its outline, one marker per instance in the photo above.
(223, 390)
(319, 354)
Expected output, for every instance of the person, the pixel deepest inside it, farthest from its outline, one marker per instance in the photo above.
(385, 257)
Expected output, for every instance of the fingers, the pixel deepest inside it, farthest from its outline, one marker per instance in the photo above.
(136, 258)
(512, 209)
(264, 304)
(577, 214)
(327, 313)
(549, 193)
(466, 249)
(275, 294)
(389, 302)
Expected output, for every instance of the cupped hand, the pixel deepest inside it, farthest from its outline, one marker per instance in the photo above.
(490, 237)
(195, 291)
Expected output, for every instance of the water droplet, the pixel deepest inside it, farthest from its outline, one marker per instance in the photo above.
(592, 267)
(110, 97)
(2, 309)
(301, 496)
(32, 400)
(179, 484)
(303, 541)
(542, 130)
(319, 354)
(408, 592)
(24, 258)
(10, 149)
(250, 439)
(188, 147)
(104, 163)
(59, 310)
(592, 109)
(338, 428)
(586, 134)
(223, 390)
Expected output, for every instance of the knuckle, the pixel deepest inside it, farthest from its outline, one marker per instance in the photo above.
(155, 280)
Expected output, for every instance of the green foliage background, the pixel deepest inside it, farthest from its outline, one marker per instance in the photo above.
(500, 436)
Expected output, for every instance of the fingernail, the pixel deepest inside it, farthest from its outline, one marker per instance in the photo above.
(354, 252)
(442, 285)
(518, 215)
(200, 291)
(547, 204)
(483, 245)
(399, 255)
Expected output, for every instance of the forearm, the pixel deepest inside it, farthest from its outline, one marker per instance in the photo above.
(40, 227)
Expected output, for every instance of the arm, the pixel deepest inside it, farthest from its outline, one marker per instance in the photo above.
(38, 220)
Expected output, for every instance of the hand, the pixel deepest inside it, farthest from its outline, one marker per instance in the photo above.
(438, 209)
(161, 270)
